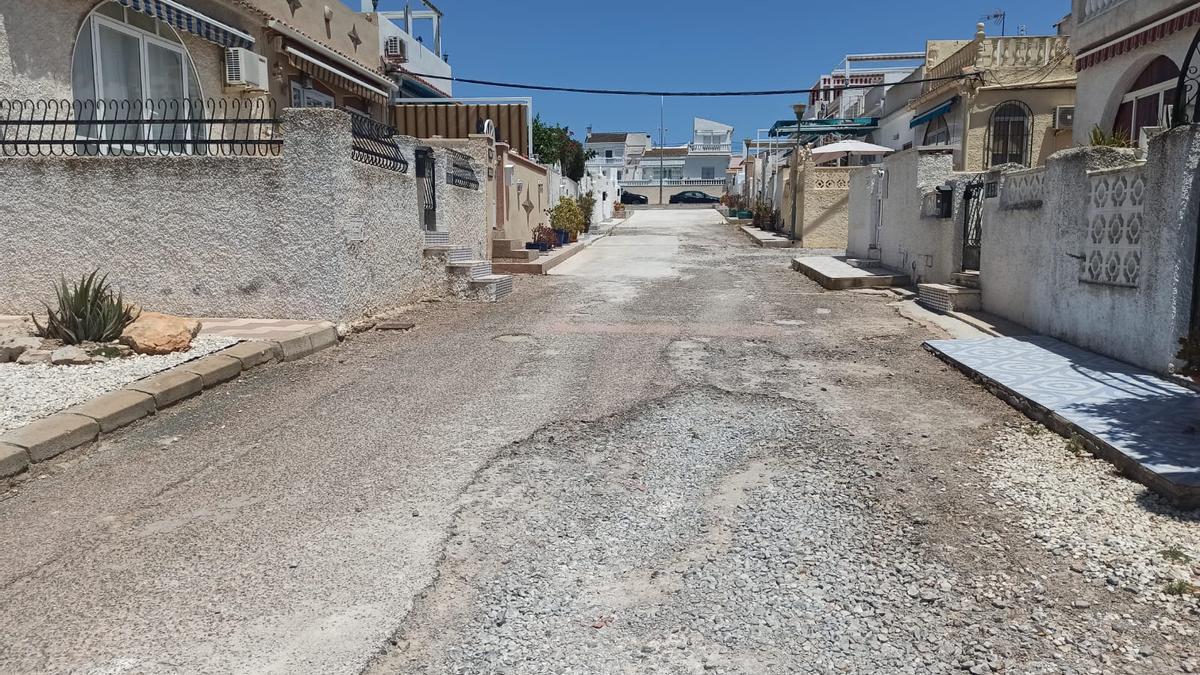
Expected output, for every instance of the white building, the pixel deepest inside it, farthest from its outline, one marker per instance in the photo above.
(704, 159)
(829, 98)
(616, 153)
(420, 71)
(1128, 55)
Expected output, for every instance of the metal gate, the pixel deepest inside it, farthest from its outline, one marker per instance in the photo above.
(972, 225)
(426, 187)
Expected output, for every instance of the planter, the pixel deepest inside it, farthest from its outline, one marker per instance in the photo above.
(563, 237)
(536, 246)
(574, 237)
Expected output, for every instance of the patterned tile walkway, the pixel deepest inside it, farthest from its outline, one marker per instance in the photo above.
(1145, 417)
(246, 329)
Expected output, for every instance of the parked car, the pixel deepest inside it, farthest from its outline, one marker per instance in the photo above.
(694, 197)
(634, 198)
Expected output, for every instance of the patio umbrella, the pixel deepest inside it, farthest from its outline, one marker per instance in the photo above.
(842, 149)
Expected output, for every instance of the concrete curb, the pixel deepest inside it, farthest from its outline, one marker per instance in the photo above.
(81, 424)
(765, 239)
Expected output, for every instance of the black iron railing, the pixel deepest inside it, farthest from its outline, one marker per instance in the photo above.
(211, 127)
(460, 173)
(375, 144)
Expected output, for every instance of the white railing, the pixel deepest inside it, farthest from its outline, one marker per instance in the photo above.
(1021, 51)
(673, 182)
(710, 147)
(607, 161)
(1093, 7)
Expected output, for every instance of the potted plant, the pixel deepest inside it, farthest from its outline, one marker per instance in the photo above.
(587, 203)
(543, 239)
(1189, 353)
(567, 219)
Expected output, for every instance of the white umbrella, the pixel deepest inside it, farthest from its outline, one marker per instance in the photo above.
(842, 149)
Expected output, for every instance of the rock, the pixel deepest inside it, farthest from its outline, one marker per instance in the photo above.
(156, 333)
(343, 330)
(70, 356)
(12, 347)
(34, 356)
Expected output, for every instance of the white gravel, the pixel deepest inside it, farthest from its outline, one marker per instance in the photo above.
(1113, 532)
(30, 392)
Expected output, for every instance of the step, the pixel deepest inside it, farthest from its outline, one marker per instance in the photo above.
(437, 238)
(502, 284)
(512, 249)
(475, 269)
(864, 263)
(459, 254)
(517, 256)
(948, 297)
(970, 279)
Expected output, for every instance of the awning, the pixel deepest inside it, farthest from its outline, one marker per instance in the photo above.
(330, 75)
(190, 21)
(933, 113)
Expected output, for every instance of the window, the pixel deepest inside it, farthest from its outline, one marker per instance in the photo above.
(308, 97)
(123, 56)
(608, 154)
(937, 132)
(708, 172)
(1009, 139)
(1147, 102)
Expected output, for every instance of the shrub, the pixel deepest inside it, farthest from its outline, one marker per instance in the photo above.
(587, 202)
(87, 312)
(1117, 139)
(567, 216)
(544, 235)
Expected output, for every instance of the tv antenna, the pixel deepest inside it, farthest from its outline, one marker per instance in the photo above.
(998, 16)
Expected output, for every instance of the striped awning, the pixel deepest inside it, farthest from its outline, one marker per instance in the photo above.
(1154, 32)
(332, 75)
(933, 113)
(190, 21)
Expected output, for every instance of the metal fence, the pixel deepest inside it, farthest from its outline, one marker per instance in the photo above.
(460, 173)
(375, 144)
(209, 127)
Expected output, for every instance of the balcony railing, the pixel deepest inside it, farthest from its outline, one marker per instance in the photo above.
(1020, 51)
(221, 127)
(672, 182)
(1093, 7)
(710, 147)
(607, 161)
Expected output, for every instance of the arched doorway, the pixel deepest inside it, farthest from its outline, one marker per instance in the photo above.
(1147, 101)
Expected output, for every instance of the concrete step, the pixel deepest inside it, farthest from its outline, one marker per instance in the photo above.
(512, 249)
(948, 297)
(493, 286)
(475, 269)
(459, 254)
(864, 263)
(968, 279)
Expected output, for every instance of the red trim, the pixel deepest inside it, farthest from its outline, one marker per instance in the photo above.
(1140, 39)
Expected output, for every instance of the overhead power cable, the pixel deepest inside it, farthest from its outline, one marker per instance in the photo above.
(635, 92)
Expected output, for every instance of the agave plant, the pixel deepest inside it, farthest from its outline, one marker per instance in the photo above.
(88, 311)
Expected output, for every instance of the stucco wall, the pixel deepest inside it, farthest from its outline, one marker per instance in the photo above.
(1101, 86)
(467, 215)
(920, 245)
(1031, 259)
(309, 234)
(861, 212)
(37, 47)
(1046, 139)
(525, 200)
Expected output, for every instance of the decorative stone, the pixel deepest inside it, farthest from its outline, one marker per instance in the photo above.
(70, 356)
(12, 347)
(34, 356)
(156, 333)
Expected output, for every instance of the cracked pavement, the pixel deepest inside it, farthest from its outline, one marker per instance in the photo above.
(672, 455)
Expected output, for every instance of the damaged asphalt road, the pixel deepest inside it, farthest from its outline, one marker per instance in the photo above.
(673, 455)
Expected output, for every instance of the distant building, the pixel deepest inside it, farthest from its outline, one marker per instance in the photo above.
(615, 152)
(699, 165)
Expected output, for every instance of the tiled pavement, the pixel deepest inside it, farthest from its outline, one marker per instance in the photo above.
(246, 329)
(1144, 417)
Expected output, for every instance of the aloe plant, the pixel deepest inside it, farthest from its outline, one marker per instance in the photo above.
(88, 311)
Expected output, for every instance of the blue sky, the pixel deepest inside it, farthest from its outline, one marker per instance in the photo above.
(692, 44)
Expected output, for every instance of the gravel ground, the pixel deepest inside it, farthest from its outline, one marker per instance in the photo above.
(29, 392)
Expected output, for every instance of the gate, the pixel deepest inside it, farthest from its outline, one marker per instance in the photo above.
(426, 188)
(972, 225)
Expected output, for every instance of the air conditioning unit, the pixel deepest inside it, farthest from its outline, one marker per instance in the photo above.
(244, 68)
(1064, 117)
(395, 50)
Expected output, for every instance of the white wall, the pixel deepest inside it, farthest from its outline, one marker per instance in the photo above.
(309, 234)
(1031, 269)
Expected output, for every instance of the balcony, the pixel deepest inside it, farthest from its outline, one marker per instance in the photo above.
(606, 161)
(992, 53)
(718, 148)
(1093, 7)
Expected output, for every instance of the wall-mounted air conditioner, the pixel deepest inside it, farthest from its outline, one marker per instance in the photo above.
(244, 68)
(395, 50)
(1064, 117)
